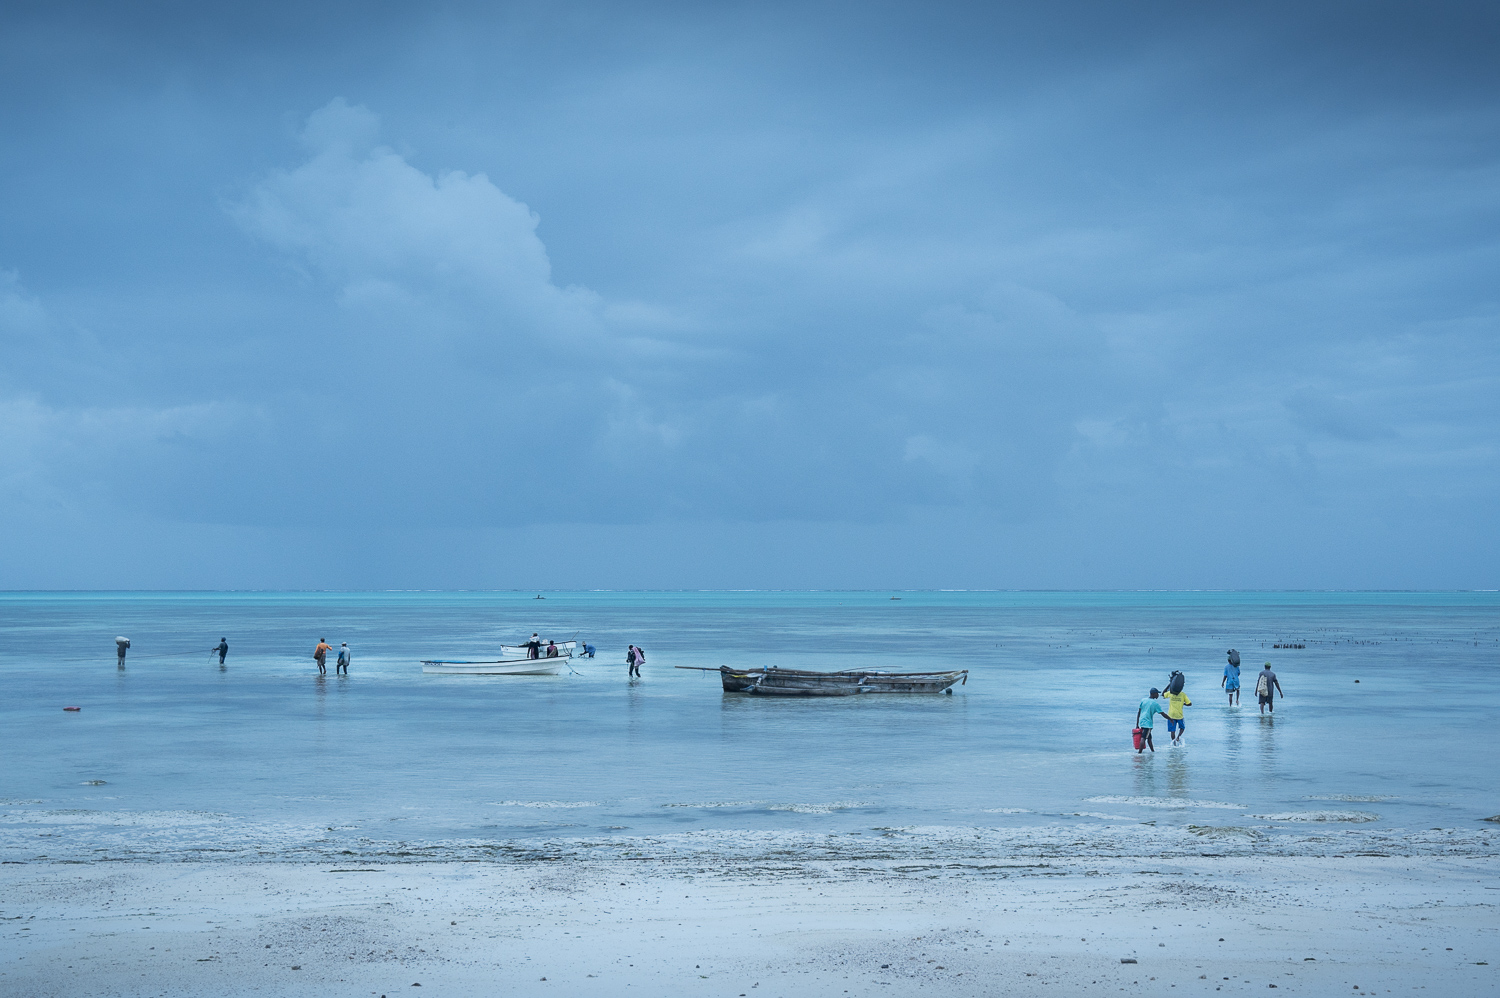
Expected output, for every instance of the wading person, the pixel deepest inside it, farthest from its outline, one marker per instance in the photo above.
(1231, 681)
(121, 644)
(1145, 719)
(342, 665)
(1265, 683)
(222, 648)
(1176, 724)
(320, 655)
(631, 669)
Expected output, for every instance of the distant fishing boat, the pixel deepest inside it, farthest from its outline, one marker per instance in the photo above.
(774, 681)
(503, 667)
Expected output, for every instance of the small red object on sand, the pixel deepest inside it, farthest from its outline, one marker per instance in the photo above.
(72, 708)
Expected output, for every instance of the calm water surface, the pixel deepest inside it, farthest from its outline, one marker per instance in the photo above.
(1039, 735)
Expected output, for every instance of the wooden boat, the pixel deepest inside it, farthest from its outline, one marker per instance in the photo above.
(503, 667)
(774, 681)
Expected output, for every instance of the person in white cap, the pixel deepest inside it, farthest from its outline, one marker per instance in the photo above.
(342, 665)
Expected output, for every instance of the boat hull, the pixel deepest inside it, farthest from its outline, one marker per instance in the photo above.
(509, 667)
(801, 682)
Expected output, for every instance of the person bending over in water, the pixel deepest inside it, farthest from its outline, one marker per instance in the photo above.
(1265, 683)
(1176, 726)
(1231, 681)
(1145, 717)
(320, 655)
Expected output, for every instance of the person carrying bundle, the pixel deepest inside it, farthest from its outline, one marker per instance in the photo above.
(1176, 700)
(1265, 684)
(1231, 680)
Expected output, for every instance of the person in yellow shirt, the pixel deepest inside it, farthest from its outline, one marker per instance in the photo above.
(1176, 727)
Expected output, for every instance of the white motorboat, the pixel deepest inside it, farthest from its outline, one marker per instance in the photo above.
(503, 667)
(565, 649)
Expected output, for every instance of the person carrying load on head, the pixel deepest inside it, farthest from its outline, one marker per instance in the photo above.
(1231, 680)
(1176, 700)
(121, 644)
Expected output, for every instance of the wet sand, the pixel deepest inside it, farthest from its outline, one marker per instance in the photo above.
(1195, 925)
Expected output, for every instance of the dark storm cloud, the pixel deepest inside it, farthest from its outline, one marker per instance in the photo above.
(1076, 294)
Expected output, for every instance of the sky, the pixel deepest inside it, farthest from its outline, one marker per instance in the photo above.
(817, 295)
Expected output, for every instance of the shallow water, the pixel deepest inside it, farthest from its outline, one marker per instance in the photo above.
(267, 752)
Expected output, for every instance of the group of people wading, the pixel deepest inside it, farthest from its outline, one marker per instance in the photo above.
(1175, 699)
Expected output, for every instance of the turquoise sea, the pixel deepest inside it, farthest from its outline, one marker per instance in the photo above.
(1387, 723)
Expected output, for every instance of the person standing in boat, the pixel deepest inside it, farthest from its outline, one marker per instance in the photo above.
(534, 647)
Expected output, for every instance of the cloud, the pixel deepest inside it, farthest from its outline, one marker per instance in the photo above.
(1137, 296)
(1334, 416)
(21, 314)
(387, 234)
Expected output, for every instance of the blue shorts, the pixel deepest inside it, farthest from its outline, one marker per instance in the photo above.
(1174, 725)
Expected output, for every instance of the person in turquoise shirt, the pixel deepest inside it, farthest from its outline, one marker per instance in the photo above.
(1144, 715)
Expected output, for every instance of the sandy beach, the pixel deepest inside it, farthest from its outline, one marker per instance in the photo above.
(1019, 925)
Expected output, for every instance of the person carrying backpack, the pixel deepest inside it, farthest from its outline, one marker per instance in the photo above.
(1265, 683)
